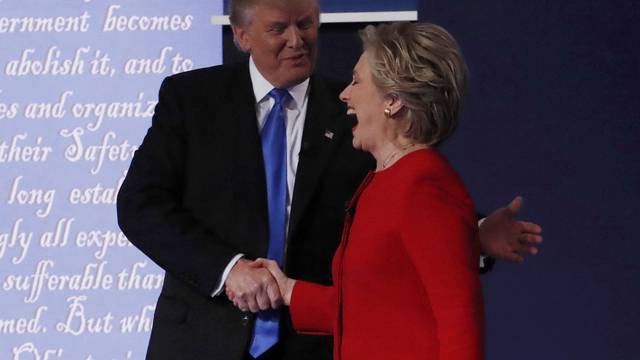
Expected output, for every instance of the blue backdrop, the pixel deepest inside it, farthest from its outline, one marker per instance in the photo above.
(333, 6)
(78, 83)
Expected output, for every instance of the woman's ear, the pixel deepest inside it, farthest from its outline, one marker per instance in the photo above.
(394, 104)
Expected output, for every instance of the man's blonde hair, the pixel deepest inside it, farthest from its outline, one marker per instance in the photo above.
(241, 11)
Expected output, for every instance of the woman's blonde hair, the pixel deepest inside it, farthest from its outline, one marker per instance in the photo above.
(421, 65)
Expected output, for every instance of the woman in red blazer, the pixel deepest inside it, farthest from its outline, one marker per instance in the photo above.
(406, 282)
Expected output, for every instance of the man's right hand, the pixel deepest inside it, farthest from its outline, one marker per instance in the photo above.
(285, 283)
(252, 288)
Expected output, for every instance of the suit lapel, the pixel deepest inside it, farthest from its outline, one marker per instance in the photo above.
(247, 168)
(323, 131)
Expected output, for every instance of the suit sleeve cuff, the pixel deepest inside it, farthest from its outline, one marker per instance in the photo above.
(225, 274)
(486, 261)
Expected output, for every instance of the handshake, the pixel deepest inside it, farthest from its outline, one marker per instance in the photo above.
(258, 285)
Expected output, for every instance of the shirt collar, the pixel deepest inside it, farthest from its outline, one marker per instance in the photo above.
(261, 86)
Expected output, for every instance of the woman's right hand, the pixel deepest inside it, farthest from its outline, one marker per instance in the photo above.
(285, 283)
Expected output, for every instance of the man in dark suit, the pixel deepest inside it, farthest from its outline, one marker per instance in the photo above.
(195, 199)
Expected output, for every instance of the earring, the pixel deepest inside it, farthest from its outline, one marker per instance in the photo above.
(387, 112)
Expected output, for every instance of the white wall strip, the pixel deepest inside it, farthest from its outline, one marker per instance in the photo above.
(347, 17)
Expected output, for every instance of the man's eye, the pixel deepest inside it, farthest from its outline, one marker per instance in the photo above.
(306, 24)
(277, 29)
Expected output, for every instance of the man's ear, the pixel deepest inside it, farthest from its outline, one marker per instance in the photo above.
(241, 38)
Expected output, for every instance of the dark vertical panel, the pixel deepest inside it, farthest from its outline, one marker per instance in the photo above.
(552, 113)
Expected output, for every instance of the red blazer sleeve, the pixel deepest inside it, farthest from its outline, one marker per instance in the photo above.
(313, 308)
(440, 235)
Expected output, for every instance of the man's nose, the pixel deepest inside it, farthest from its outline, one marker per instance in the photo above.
(294, 38)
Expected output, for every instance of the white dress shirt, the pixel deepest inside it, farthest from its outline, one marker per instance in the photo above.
(296, 113)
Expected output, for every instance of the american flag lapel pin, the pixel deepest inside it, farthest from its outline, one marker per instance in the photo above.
(328, 134)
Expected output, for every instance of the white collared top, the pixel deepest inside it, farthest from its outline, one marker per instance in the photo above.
(294, 123)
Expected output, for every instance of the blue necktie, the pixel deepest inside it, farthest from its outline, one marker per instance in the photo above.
(274, 153)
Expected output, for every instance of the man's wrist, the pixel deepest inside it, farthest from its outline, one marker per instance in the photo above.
(225, 274)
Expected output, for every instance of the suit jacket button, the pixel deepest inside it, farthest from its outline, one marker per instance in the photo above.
(245, 319)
